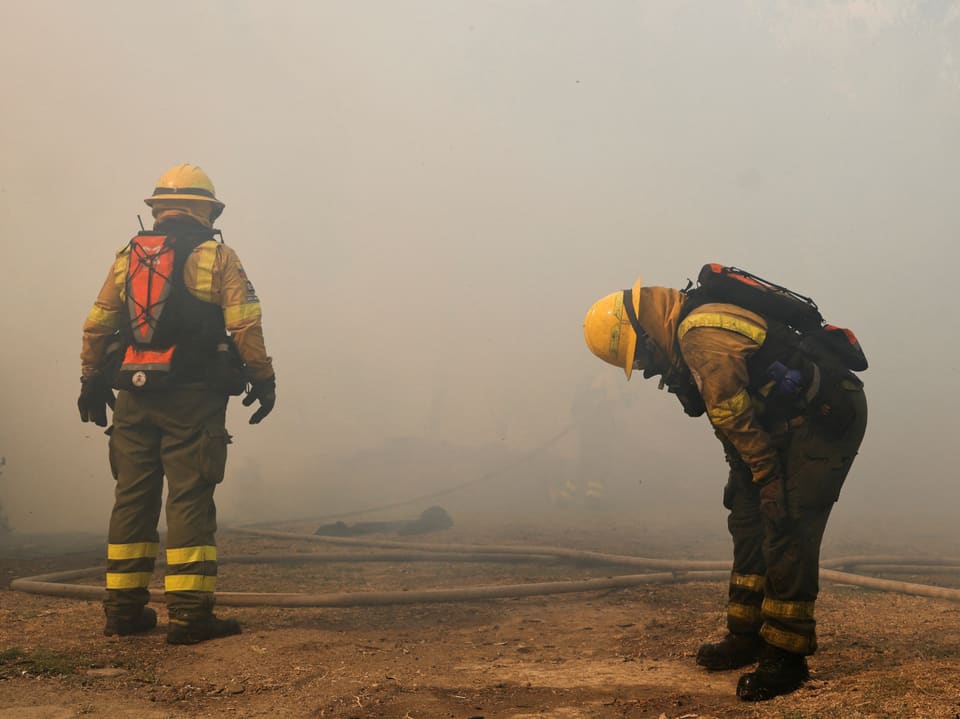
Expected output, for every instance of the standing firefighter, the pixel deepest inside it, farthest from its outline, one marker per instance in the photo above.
(790, 414)
(176, 329)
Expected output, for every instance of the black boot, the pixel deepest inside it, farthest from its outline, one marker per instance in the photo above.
(124, 624)
(779, 672)
(195, 631)
(732, 652)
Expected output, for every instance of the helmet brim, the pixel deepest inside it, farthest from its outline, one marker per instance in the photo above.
(183, 196)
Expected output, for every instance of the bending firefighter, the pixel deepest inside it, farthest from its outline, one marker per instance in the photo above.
(790, 416)
(176, 329)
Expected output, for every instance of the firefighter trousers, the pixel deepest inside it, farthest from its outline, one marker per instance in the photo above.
(775, 579)
(180, 434)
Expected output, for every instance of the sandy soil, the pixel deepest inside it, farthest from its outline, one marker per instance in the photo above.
(615, 653)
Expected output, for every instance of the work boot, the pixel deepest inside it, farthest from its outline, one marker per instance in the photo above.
(125, 624)
(732, 652)
(194, 632)
(779, 672)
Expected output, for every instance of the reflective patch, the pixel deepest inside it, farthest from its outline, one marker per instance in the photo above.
(189, 583)
(796, 643)
(241, 313)
(186, 555)
(753, 582)
(107, 318)
(206, 254)
(128, 580)
(718, 320)
(788, 610)
(135, 550)
(120, 267)
(749, 613)
(728, 410)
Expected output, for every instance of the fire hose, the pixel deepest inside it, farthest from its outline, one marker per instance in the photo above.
(663, 571)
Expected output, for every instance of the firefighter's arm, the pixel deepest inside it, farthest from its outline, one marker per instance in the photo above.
(241, 314)
(105, 318)
(717, 358)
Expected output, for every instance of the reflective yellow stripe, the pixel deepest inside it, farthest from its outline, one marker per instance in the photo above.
(241, 313)
(185, 555)
(788, 610)
(206, 255)
(120, 266)
(728, 410)
(136, 550)
(796, 643)
(721, 321)
(753, 582)
(745, 612)
(108, 318)
(595, 489)
(189, 583)
(128, 580)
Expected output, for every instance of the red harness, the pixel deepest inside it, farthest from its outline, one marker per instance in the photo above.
(148, 285)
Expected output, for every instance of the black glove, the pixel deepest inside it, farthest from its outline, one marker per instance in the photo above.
(264, 391)
(95, 396)
(773, 501)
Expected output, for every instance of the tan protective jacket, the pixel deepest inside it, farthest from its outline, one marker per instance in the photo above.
(212, 273)
(714, 342)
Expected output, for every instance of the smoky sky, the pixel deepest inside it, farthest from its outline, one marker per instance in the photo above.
(428, 195)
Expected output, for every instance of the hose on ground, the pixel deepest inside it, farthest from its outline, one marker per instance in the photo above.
(58, 583)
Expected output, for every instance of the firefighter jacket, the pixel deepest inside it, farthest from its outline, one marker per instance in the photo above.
(212, 274)
(717, 342)
(714, 343)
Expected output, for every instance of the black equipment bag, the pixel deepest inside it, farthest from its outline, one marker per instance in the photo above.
(720, 283)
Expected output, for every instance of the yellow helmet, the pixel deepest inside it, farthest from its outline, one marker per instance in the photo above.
(609, 330)
(186, 182)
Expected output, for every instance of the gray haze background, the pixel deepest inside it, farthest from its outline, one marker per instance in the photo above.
(428, 195)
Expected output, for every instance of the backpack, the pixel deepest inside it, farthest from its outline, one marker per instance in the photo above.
(799, 314)
(171, 336)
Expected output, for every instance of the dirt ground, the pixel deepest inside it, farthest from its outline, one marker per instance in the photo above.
(612, 653)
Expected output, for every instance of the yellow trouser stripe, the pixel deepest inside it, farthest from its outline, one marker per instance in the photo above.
(185, 555)
(241, 313)
(746, 612)
(728, 410)
(796, 643)
(753, 582)
(135, 550)
(189, 583)
(788, 610)
(128, 580)
(721, 321)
